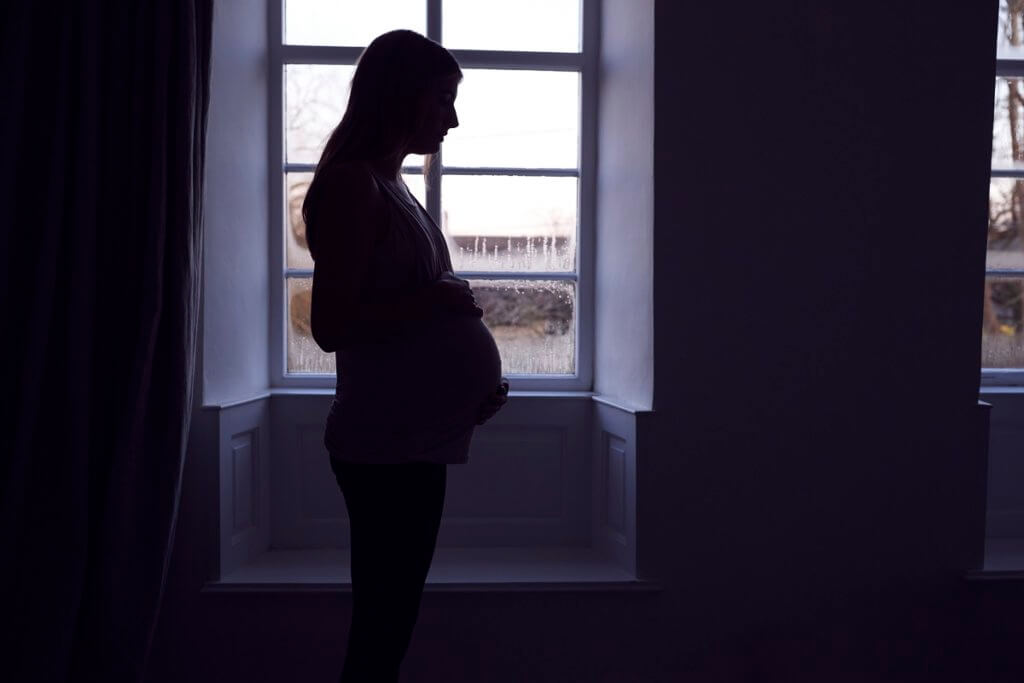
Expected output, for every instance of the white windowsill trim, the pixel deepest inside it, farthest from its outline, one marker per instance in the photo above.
(452, 570)
(994, 389)
(598, 398)
(1004, 561)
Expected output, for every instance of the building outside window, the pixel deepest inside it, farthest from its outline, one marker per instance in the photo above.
(511, 187)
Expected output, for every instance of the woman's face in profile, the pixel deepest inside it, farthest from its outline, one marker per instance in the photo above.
(436, 115)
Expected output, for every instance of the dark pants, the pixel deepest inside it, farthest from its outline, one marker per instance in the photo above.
(394, 513)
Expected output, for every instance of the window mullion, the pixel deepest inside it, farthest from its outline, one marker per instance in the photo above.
(320, 54)
(277, 359)
(469, 59)
(432, 181)
(508, 170)
(571, 276)
(291, 167)
(531, 61)
(568, 276)
(1010, 68)
(434, 20)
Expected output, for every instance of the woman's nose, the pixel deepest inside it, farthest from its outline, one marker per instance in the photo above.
(454, 122)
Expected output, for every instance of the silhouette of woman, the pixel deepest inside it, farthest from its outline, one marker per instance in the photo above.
(417, 368)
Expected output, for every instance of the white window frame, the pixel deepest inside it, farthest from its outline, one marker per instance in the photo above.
(1005, 68)
(584, 62)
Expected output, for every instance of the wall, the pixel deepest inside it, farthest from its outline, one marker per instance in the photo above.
(624, 345)
(1006, 463)
(818, 286)
(808, 485)
(235, 324)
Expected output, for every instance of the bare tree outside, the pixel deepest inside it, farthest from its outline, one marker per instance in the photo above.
(1003, 322)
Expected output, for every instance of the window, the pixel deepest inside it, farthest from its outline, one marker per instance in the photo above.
(512, 187)
(1003, 324)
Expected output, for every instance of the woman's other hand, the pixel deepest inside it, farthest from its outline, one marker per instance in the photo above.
(494, 402)
(454, 294)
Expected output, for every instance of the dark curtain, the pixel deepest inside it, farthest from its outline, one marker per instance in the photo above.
(103, 134)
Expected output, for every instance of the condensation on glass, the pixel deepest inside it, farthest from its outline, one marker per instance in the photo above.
(296, 184)
(352, 23)
(515, 118)
(304, 356)
(525, 25)
(533, 323)
(510, 223)
(1003, 323)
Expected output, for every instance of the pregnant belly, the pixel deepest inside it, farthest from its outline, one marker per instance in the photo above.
(437, 376)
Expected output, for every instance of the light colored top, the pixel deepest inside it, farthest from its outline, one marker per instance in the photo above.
(412, 397)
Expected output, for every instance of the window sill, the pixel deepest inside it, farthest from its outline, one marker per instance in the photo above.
(1012, 378)
(1004, 561)
(1000, 389)
(465, 570)
(603, 399)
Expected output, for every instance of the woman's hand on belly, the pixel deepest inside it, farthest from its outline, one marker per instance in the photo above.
(454, 295)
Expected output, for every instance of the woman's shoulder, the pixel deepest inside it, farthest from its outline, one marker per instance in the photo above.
(351, 188)
(355, 177)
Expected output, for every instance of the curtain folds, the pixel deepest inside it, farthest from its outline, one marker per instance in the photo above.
(102, 139)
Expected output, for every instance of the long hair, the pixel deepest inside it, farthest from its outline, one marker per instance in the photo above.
(391, 75)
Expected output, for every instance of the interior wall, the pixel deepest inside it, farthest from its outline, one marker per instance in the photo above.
(1006, 463)
(821, 187)
(236, 270)
(624, 342)
(806, 477)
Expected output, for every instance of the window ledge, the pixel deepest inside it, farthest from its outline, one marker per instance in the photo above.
(468, 570)
(1000, 389)
(320, 391)
(1004, 561)
(604, 399)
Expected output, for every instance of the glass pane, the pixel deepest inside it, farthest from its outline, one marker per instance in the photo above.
(296, 249)
(349, 22)
(1010, 33)
(315, 99)
(516, 118)
(525, 25)
(532, 322)
(304, 356)
(1002, 334)
(1005, 224)
(1008, 124)
(510, 223)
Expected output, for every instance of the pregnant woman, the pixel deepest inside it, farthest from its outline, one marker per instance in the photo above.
(417, 368)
